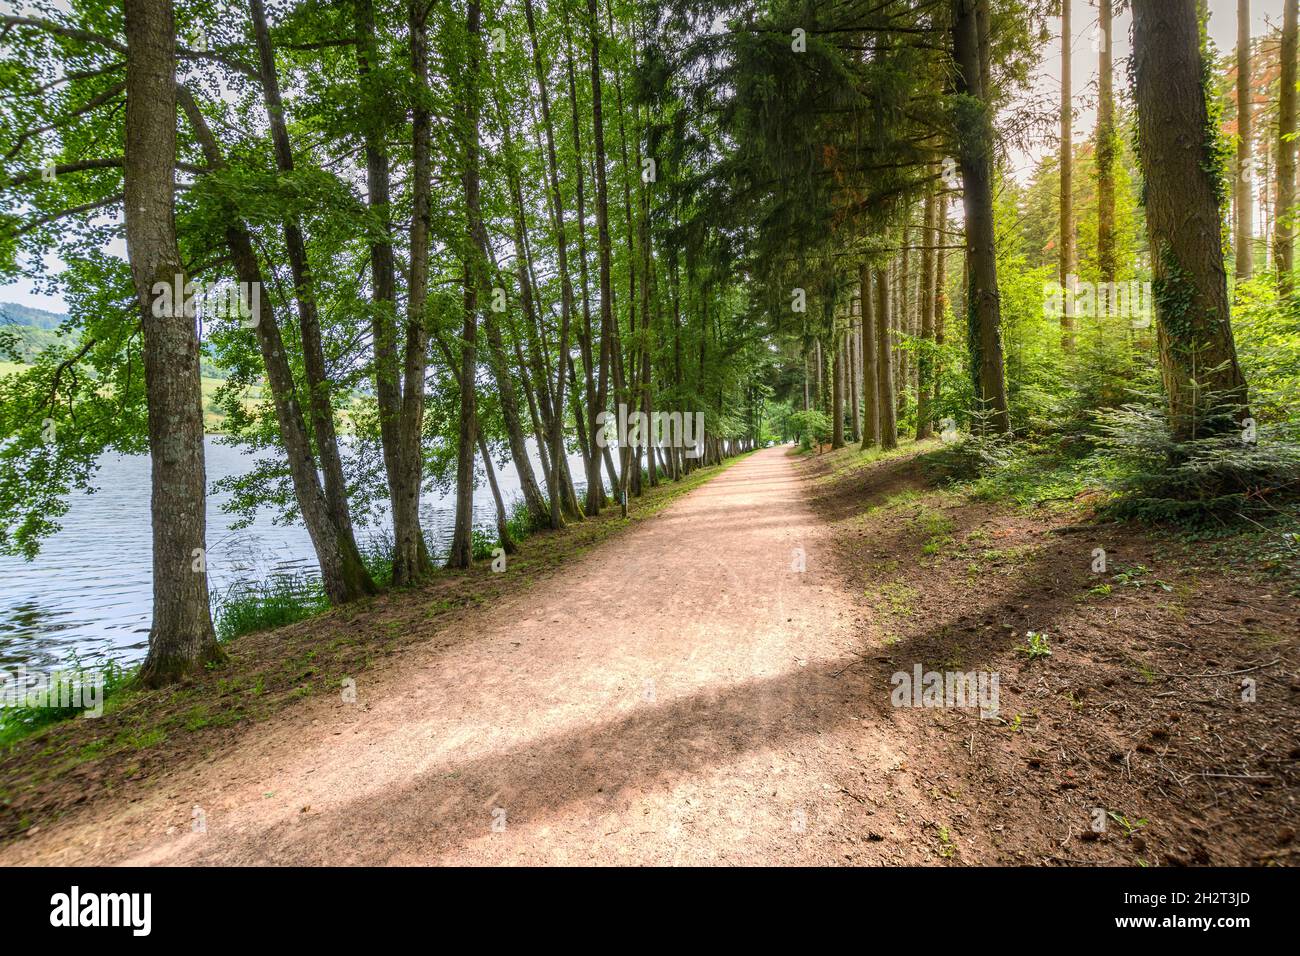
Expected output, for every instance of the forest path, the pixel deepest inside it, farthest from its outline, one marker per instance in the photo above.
(679, 694)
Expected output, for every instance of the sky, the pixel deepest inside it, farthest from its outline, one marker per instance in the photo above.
(1264, 14)
(1083, 75)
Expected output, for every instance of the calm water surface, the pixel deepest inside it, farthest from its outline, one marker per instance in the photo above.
(89, 591)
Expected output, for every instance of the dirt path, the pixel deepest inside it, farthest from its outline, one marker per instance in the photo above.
(676, 695)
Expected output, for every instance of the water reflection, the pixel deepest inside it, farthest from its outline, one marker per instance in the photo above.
(89, 592)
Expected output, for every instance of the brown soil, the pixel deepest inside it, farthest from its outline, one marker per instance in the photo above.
(680, 693)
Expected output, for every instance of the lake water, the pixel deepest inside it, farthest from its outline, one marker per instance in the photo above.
(89, 591)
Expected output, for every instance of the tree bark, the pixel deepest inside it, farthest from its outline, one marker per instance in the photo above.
(343, 574)
(1068, 260)
(870, 373)
(984, 311)
(1106, 146)
(462, 546)
(1284, 230)
(1244, 199)
(884, 361)
(181, 637)
(1198, 358)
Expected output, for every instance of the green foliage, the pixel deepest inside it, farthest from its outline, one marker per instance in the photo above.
(265, 604)
(21, 720)
(1223, 473)
(1036, 646)
(483, 544)
(811, 426)
(968, 458)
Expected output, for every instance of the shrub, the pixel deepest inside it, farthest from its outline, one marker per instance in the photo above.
(967, 459)
(1218, 474)
(483, 543)
(811, 426)
(270, 602)
(21, 720)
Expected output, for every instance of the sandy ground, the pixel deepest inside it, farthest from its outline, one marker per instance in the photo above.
(676, 695)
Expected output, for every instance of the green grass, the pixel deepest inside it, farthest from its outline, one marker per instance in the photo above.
(19, 721)
(262, 605)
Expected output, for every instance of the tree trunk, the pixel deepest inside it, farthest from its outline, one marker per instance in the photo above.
(412, 548)
(940, 296)
(462, 545)
(870, 373)
(318, 382)
(851, 352)
(1244, 200)
(984, 310)
(1198, 358)
(1284, 230)
(1106, 147)
(503, 527)
(343, 575)
(884, 361)
(181, 638)
(608, 347)
(904, 315)
(925, 361)
(1068, 261)
(837, 390)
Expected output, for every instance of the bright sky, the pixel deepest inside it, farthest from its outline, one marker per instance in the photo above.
(1264, 15)
(1083, 73)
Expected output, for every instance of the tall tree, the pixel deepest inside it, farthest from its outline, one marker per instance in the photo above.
(1106, 145)
(410, 555)
(343, 575)
(562, 261)
(181, 638)
(1284, 227)
(411, 559)
(1068, 259)
(309, 328)
(884, 360)
(1198, 358)
(462, 545)
(1244, 199)
(975, 149)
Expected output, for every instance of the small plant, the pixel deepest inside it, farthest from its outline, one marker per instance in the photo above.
(965, 460)
(271, 602)
(946, 847)
(1036, 646)
(1136, 577)
(19, 721)
(1101, 590)
(482, 544)
(521, 522)
(1129, 827)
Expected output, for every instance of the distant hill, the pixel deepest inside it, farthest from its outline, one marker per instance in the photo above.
(11, 313)
(37, 329)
